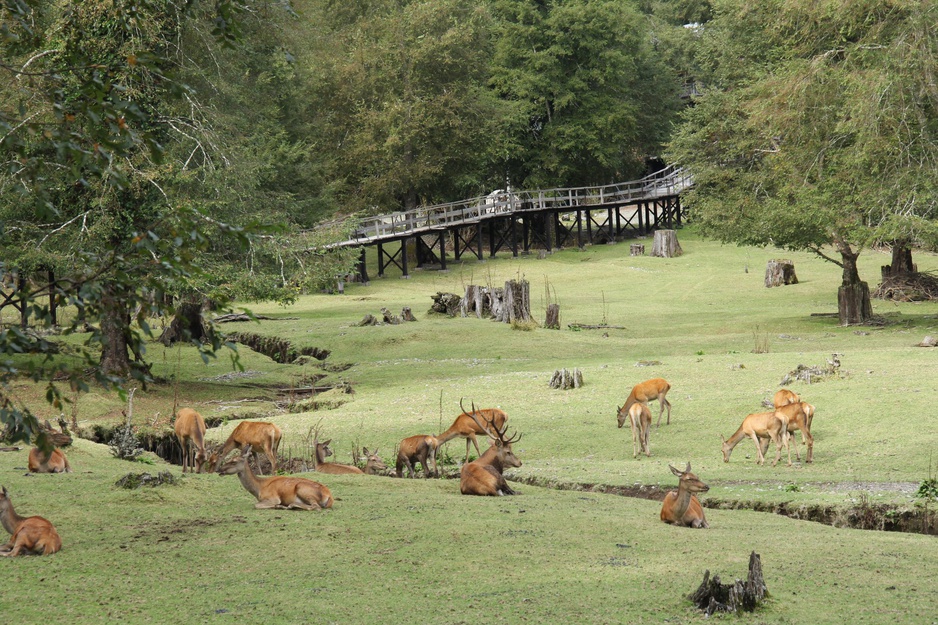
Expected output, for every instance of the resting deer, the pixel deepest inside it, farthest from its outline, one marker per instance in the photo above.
(279, 491)
(468, 426)
(256, 434)
(656, 388)
(682, 507)
(52, 462)
(323, 451)
(798, 416)
(413, 449)
(758, 425)
(484, 475)
(639, 417)
(374, 465)
(29, 535)
(190, 428)
(785, 397)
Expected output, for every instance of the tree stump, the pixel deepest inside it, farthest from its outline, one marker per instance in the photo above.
(517, 302)
(779, 272)
(407, 315)
(713, 596)
(565, 380)
(637, 249)
(666, 245)
(446, 304)
(853, 304)
(389, 317)
(552, 321)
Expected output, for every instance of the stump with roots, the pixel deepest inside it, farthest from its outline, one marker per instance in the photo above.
(779, 272)
(713, 596)
(565, 379)
(666, 245)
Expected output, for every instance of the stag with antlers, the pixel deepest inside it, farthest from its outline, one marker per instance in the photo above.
(484, 476)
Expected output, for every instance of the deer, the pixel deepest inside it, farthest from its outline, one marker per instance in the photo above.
(256, 434)
(283, 492)
(29, 535)
(51, 462)
(468, 426)
(772, 425)
(681, 507)
(656, 388)
(374, 465)
(190, 428)
(639, 417)
(798, 416)
(323, 451)
(420, 448)
(784, 397)
(483, 476)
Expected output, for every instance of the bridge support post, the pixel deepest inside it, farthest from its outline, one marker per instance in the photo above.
(404, 259)
(579, 227)
(363, 267)
(443, 250)
(514, 237)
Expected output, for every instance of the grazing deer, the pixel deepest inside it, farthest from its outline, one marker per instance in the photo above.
(484, 475)
(190, 428)
(772, 425)
(29, 535)
(798, 416)
(656, 388)
(785, 397)
(639, 417)
(413, 449)
(256, 434)
(468, 426)
(279, 491)
(374, 465)
(681, 507)
(323, 451)
(52, 462)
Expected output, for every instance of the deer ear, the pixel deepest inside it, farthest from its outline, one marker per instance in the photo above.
(676, 472)
(4, 491)
(365, 450)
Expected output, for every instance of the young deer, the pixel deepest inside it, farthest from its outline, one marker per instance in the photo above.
(29, 535)
(467, 426)
(374, 465)
(253, 434)
(656, 388)
(484, 476)
(53, 462)
(772, 425)
(323, 451)
(798, 415)
(682, 507)
(190, 428)
(639, 417)
(413, 449)
(279, 491)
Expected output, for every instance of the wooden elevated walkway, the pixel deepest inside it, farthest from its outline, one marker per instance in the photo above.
(520, 220)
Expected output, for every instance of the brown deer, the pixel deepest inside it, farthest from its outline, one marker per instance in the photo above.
(29, 535)
(772, 425)
(52, 462)
(484, 475)
(323, 451)
(256, 434)
(279, 491)
(784, 397)
(639, 417)
(413, 449)
(656, 388)
(681, 507)
(468, 426)
(798, 416)
(374, 465)
(190, 428)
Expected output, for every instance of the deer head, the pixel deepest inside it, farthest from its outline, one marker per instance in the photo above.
(502, 444)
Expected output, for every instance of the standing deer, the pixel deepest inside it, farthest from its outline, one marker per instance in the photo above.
(467, 426)
(279, 491)
(681, 507)
(52, 462)
(374, 465)
(256, 434)
(656, 388)
(798, 416)
(413, 449)
(190, 428)
(773, 425)
(29, 535)
(639, 417)
(784, 397)
(484, 475)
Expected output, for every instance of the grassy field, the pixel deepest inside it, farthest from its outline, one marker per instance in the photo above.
(416, 550)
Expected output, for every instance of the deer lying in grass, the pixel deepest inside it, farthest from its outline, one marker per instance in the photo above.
(374, 465)
(29, 534)
(323, 451)
(772, 425)
(468, 426)
(656, 388)
(280, 491)
(484, 476)
(639, 417)
(413, 449)
(681, 507)
(53, 462)
(253, 434)
(798, 416)
(190, 428)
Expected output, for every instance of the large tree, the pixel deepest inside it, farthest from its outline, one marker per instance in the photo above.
(818, 129)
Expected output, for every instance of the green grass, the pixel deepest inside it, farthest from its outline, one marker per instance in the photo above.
(395, 550)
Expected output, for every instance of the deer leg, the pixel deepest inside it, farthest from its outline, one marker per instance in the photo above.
(267, 504)
(760, 459)
(273, 461)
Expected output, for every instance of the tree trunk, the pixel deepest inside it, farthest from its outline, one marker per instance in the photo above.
(666, 245)
(901, 261)
(853, 297)
(188, 323)
(115, 330)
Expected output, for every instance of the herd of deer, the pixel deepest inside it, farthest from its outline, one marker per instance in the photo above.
(483, 476)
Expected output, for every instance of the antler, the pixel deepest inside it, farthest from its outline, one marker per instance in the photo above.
(499, 434)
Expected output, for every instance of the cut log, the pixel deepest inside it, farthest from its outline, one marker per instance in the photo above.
(666, 245)
(553, 317)
(779, 272)
(636, 249)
